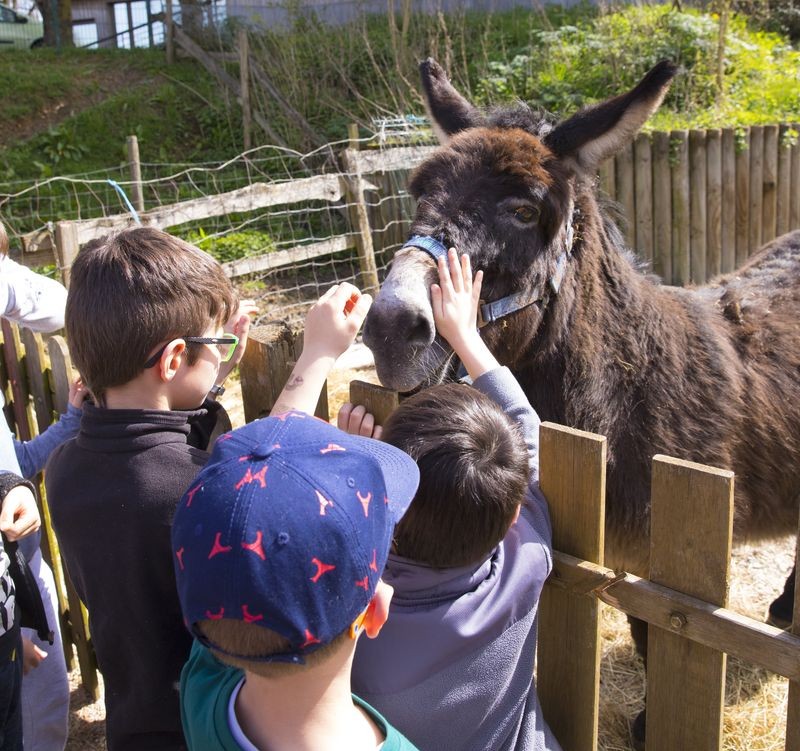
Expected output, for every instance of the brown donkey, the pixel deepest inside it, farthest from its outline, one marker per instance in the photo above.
(709, 374)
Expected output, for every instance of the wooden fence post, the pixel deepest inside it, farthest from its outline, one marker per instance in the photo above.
(662, 207)
(643, 180)
(756, 187)
(681, 235)
(714, 203)
(135, 164)
(697, 205)
(770, 185)
(573, 479)
(784, 195)
(794, 210)
(793, 706)
(743, 197)
(728, 238)
(691, 529)
(378, 400)
(61, 368)
(243, 47)
(272, 352)
(623, 170)
(359, 217)
(169, 34)
(67, 247)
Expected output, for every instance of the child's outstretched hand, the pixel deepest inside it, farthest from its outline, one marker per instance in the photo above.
(19, 515)
(455, 303)
(357, 421)
(334, 320)
(239, 324)
(78, 393)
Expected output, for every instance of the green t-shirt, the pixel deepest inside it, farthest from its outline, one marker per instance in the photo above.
(206, 689)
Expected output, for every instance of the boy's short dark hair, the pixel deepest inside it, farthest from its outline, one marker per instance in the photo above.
(473, 473)
(133, 290)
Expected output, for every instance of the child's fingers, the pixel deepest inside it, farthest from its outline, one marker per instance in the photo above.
(476, 287)
(328, 293)
(343, 418)
(377, 432)
(445, 281)
(357, 420)
(466, 272)
(455, 270)
(360, 310)
(436, 301)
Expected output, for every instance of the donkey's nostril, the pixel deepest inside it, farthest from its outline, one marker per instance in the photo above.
(420, 331)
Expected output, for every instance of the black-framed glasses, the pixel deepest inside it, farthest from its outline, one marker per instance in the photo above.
(225, 344)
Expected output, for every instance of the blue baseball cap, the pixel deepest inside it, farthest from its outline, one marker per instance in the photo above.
(288, 527)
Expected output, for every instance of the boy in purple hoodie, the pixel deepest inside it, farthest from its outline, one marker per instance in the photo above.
(453, 666)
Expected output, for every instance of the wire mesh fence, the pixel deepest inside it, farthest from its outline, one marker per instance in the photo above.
(284, 223)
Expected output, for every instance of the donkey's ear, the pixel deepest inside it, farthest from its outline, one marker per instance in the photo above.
(595, 133)
(448, 111)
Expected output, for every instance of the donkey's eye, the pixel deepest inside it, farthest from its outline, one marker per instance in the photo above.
(526, 214)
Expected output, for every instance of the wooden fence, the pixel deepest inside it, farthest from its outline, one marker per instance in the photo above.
(697, 203)
(684, 600)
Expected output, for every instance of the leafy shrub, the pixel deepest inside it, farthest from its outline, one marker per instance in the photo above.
(233, 246)
(580, 64)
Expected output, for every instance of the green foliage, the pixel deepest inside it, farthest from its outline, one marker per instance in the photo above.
(232, 246)
(579, 64)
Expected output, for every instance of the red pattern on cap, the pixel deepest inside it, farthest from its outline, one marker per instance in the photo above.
(255, 546)
(251, 477)
(374, 563)
(219, 547)
(310, 639)
(323, 502)
(322, 568)
(179, 556)
(365, 499)
(215, 616)
(248, 617)
(332, 447)
(190, 494)
(363, 583)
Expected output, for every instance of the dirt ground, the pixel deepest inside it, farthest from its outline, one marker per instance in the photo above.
(755, 704)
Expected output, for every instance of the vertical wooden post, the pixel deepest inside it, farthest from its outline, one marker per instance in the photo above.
(691, 530)
(662, 207)
(135, 164)
(681, 235)
(169, 32)
(272, 352)
(743, 197)
(359, 217)
(714, 202)
(12, 354)
(573, 479)
(625, 192)
(793, 706)
(784, 194)
(643, 180)
(794, 210)
(67, 248)
(378, 400)
(243, 46)
(769, 209)
(728, 238)
(697, 204)
(756, 187)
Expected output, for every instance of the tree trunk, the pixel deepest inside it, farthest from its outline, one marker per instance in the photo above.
(57, 17)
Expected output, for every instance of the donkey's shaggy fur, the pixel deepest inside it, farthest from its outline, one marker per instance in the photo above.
(710, 374)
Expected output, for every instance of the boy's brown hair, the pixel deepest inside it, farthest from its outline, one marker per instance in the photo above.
(248, 639)
(132, 291)
(473, 468)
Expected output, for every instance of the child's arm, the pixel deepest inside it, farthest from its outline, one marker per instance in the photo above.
(32, 455)
(331, 327)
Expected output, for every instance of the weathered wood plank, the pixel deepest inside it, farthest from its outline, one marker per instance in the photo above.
(359, 220)
(747, 639)
(250, 198)
(388, 160)
(378, 400)
(784, 195)
(626, 193)
(742, 196)
(279, 258)
(662, 207)
(713, 202)
(728, 200)
(698, 206)
(573, 466)
(643, 181)
(794, 210)
(681, 233)
(685, 680)
(769, 207)
(756, 187)
(793, 703)
(67, 247)
(17, 377)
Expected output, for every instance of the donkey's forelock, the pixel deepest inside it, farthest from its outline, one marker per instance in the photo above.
(519, 115)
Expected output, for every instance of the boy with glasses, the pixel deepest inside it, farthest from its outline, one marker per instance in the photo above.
(153, 326)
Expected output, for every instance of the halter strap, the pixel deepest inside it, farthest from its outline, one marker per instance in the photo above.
(493, 311)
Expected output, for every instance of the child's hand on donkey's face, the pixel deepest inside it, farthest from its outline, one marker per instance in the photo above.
(357, 421)
(455, 299)
(334, 321)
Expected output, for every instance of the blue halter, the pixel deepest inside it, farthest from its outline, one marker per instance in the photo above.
(493, 311)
